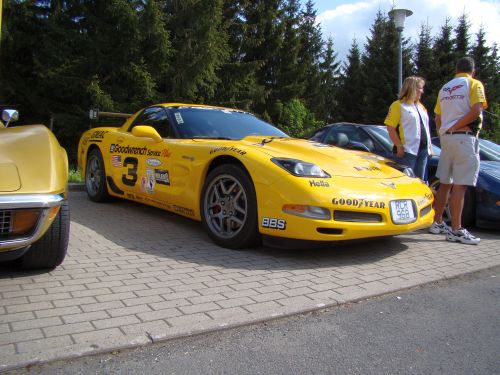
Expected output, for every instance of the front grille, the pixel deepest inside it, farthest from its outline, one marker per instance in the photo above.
(5, 220)
(357, 217)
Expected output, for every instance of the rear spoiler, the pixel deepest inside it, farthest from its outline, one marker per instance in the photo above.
(94, 114)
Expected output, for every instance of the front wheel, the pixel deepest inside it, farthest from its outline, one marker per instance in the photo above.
(50, 250)
(229, 207)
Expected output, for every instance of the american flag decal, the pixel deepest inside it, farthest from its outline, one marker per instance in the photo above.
(116, 160)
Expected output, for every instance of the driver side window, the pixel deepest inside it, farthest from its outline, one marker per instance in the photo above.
(155, 117)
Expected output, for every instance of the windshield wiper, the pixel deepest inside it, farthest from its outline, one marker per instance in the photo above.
(207, 137)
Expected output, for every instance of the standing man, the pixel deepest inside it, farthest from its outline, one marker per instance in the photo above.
(459, 109)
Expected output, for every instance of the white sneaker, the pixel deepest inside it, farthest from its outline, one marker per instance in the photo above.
(463, 236)
(439, 228)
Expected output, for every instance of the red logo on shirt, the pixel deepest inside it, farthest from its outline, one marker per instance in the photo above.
(450, 90)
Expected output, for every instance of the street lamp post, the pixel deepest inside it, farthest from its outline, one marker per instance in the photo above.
(398, 16)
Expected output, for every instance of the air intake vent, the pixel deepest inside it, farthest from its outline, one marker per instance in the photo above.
(356, 217)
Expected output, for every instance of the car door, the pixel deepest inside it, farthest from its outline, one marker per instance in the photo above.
(145, 172)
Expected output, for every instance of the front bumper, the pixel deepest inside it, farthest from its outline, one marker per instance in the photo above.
(10, 203)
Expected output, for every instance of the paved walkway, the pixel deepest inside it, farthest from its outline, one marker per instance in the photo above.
(136, 275)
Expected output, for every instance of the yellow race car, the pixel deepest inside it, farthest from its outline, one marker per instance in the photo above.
(34, 211)
(246, 180)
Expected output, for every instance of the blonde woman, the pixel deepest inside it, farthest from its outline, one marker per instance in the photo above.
(408, 126)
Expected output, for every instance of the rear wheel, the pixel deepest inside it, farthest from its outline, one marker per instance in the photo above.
(229, 208)
(95, 177)
(50, 250)
(468, 212)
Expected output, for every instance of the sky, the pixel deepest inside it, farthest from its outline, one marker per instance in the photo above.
(345, 20)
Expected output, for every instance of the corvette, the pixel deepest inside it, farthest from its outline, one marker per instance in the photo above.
(34, 210)
(247, 181)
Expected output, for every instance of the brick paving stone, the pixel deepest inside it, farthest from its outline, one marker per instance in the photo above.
(85, 317)
(26, 335)
(159, 314)
(118, 289)
(59, 311)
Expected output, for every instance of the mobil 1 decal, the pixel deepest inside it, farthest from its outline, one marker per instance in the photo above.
(162, 177)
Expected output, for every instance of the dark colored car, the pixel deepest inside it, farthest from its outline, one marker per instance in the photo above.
(482, 203)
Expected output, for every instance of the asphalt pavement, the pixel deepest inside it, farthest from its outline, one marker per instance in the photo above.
(136, 275)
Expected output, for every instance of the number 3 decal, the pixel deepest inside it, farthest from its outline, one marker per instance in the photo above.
(131, 177)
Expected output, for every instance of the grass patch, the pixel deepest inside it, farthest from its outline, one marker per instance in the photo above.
(75, 176)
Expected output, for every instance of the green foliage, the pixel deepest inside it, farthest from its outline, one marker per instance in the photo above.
(75, 176)
(268, 57)
(491, 123)
(295, 119)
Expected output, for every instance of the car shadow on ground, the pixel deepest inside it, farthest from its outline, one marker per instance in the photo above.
(160, 233)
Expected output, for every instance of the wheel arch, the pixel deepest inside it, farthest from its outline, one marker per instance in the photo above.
(86, 157)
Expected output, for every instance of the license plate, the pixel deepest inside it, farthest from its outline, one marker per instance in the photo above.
(402, 211)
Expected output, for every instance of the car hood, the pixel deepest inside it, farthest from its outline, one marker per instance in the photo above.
(29, 158)
(334, 160)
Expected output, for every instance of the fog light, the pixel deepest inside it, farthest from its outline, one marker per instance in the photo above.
(24, 221)
(313, 212)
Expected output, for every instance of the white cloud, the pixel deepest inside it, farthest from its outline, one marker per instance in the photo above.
(353, 19)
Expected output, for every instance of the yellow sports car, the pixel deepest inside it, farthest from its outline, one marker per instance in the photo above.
(34, 211)
(245, 180)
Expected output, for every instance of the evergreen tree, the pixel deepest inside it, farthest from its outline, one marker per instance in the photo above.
(289, 80)
(444, 56)
(350, 99)
(155, 45)
(380, 69)
(265, 37)
(327, 96)
(424, 63)
(462, 37)
(486, 60)
(201, 45)
(238, 83)
(311, 55)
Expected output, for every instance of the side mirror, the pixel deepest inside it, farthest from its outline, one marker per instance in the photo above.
(9, 115)
(146, 132)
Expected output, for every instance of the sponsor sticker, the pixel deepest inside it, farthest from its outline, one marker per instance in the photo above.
(178, 118)
(319, 183)
(162, 177)
(358, 202)
(273, 223)
(148, 182)
(227, 149)
(116, 160)
(153, 162)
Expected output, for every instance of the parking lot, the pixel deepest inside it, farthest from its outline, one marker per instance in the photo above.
(136, 275)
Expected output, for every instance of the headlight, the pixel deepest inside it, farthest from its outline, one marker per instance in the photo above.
(300, 168)
(402, 168)
(312, 212)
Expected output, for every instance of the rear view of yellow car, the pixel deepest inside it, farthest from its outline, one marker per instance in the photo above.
(34, 211)
(246, 180)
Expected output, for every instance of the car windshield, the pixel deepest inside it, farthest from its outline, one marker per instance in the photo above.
(220, 123)
(489, 150)
(382, 135)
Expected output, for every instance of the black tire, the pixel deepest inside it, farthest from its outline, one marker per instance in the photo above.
(469, 210)
(50, 250)
(95, 177)
(229, 208)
